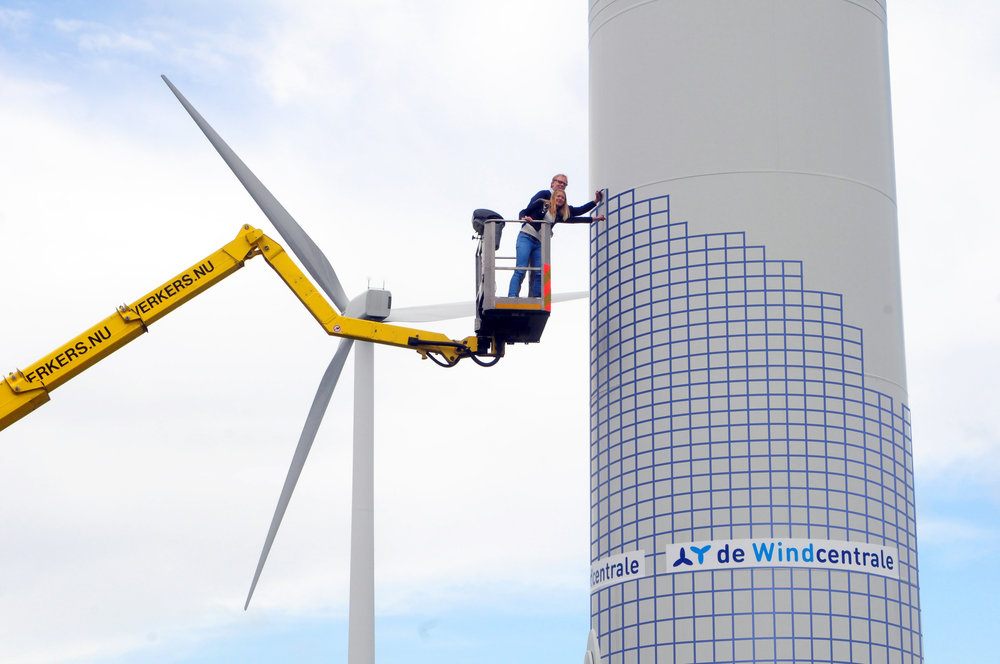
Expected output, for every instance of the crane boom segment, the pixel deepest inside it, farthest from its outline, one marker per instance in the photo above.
(25, 390)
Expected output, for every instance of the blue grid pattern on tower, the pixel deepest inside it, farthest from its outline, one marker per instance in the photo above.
(727, 402)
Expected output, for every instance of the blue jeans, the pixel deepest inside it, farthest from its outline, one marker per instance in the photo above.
(529, 253)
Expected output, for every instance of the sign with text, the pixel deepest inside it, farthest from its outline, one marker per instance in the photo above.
(615, 569)
(749, 553)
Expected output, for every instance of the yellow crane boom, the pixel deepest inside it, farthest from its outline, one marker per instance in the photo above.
(25, 390)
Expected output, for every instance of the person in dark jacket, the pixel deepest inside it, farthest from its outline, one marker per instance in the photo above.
(559, 183)
(529, 240)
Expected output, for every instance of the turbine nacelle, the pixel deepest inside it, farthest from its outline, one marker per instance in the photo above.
(373, 304)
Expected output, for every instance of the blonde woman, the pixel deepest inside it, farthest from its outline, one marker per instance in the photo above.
(529, 240)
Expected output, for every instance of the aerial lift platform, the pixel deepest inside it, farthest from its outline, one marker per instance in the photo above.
(511, 319)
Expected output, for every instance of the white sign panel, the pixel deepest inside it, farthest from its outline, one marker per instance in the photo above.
(615, 569)
(817, 554)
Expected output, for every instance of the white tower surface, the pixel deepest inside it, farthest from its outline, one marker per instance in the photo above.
(752, 486)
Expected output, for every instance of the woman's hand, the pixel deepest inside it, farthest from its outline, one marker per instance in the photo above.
(599, 217)
(526, 218)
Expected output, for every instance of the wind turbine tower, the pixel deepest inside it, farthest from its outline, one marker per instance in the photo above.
(752, 484)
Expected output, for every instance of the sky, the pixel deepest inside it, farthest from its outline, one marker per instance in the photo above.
(134, 505)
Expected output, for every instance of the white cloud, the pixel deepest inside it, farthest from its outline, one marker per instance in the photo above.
(944, 102)
(14, 19)
(958, 542)
(92, 36)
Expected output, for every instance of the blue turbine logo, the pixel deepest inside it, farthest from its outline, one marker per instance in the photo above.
(682, 559)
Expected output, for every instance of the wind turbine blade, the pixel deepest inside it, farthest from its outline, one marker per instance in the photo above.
(316, 411)
(433, 312)
(572, 295)
(293, 235)
(446, 311)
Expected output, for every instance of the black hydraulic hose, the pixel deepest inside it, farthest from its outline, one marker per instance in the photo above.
(484, 363)
(444, 363)
(465, 352)
(417, 341)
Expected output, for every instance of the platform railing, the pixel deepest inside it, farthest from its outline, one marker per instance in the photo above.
(489, 263)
